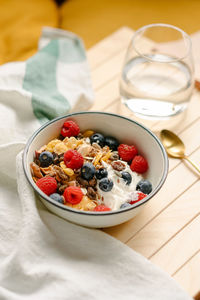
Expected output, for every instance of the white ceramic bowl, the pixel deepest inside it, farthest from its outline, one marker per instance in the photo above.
(126, 131)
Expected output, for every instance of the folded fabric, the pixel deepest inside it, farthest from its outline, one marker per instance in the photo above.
(41, 255)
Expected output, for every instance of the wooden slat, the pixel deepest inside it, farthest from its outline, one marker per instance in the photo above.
(188, 276)
(192, 113)
(109, 46)
(106, 95)
(167, 224)
(184, 245)
(108, 70)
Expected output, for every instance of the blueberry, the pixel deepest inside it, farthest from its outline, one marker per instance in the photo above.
(144, 186)
(125, 205)
(87, 171)
(97, 138)
(101, 173)
(46, 158)
(57, 197)
(111, 142)
(127, 177)
(106, 184)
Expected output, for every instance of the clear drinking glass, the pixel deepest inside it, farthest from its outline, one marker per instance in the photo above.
(157, 77)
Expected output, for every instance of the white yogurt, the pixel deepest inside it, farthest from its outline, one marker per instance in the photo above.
(120, 192)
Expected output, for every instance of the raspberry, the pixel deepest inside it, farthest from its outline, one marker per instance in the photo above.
(47, 184)
(139, 164)
(140, 197)
(127, 152)
(70, 128)
(101, 208)
(73, 194)
(73, 159)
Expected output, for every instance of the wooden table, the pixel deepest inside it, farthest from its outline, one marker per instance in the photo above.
(167, 231)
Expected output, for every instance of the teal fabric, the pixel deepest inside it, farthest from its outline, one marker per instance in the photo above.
(40, 80)
(71, 51)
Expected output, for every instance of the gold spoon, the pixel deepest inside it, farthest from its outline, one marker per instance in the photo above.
(174, 146)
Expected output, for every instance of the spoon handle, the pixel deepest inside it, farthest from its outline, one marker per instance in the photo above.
(193, 164)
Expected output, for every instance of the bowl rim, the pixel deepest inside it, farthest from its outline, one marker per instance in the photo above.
(92, 213)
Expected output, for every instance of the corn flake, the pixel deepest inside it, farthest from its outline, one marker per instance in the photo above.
(50, 146)
(71, 142)
(60, 148)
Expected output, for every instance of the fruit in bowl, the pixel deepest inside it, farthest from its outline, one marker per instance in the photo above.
(95, 169)
(90, 171)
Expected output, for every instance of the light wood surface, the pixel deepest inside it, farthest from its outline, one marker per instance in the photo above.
(167, 230)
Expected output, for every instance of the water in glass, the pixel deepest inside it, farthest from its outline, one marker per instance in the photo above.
(155, 87)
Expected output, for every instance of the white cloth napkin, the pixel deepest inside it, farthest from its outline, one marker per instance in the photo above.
(45, 257)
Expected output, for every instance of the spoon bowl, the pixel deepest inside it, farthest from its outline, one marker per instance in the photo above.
(175, 146)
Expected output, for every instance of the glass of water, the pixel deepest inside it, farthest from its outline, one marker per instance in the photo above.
(157, 77)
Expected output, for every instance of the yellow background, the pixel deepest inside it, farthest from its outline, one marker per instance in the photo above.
(21, 21)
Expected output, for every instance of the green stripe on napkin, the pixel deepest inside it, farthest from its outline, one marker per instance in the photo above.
(40, 80)
(71, 51)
